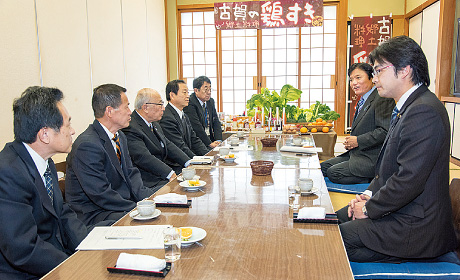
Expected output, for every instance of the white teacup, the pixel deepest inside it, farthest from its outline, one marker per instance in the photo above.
(223, 151)
(234, 141)
(297, 141)
(146, 207)
(305, 184)
(188, 173)
(240, 133)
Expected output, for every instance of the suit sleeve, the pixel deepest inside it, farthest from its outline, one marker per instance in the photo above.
(20, 243)
(216, 125)
(417, 152)
(192, 113)
(174, 153)
(142, 157)
(169, 126)
(383, 109)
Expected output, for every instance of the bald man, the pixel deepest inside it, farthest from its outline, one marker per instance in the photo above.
(157, 158)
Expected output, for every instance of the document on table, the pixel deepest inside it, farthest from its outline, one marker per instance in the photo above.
(124, 237)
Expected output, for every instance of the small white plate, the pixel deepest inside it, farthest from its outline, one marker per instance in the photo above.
(181, 179)
(312, 191)
(136, 216)
(198, 234)
(187, 186)
(228, 160)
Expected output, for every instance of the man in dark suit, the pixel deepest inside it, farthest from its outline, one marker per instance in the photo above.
(175, 123)
(405, 213)
(38, 230)
(101, 182)
(202, 113)
(368, 131)
(149, 149)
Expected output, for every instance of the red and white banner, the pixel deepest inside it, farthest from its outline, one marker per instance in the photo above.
(268, 14)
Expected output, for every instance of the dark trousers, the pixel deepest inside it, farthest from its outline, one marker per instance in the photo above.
(338, 171)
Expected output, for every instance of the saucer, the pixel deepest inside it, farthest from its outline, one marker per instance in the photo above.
(181, 179)
(136, 216)
(188, 187)
(228, 160)
(312, 191)
(198, 234)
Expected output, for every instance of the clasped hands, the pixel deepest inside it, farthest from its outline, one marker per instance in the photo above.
(355, 206)
(350, 142)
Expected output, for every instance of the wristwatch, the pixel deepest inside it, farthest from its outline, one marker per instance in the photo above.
(364, 210)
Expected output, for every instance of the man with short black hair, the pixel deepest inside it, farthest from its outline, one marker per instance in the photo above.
(405, 214)
(38, 230)
(157, 158)
(175, 123)
(202, 113)
(101, 181)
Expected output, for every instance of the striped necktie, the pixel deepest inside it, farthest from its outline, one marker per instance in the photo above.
(358, 107)
(49, 183)
(206, 115)
(117, 144)
(394, 114)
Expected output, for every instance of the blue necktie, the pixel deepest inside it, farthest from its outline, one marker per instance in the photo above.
(206, 115)
(394, 114)
(358, 107)
(49, 183)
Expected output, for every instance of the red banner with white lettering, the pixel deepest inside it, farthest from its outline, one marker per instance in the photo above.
(268, 14)
(366, 34)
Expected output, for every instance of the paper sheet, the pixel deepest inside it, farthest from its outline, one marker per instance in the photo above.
(124, 237)
(301, 150)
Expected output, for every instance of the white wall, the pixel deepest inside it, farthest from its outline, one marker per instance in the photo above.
(76, 45)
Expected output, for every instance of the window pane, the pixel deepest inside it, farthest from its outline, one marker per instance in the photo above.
(227, 70)
(186, 19)
(240, 69)
(187, 32)
(187, 58)
(267, 56)
(239, 83)
(210, 30)
(329, 26)
(187, 45)
(316, 82)
(239, 56)
(251, 56)
(227, 43)
(329, 12)
(305, 80)
(329, 54)
(198, 31)
(198, 18)
(199, 58)
(227, 56)
(239, 43)
(267, 42)
(187, 70)
(200, 70)
(329, 40)
(317, 41)
(306, 41)
(209, 18)
(227, 83)
(251, 69)
(211, 70)
(292, 80)
(292, 55)
(251, 43)
(279, 83)
(280, 69)
(210, 57)
(198, 45)
(305, 68)
(291, 68)
(210, 44)
(227, 96)
(317, 54)
(267, 69)
(280, 42)
(327, 81)
(329, 68)
(280, 55)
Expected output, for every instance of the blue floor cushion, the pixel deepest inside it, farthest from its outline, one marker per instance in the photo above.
(352, 188)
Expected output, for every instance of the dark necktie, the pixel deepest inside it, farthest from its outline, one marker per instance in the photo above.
(394, 114)
(358, 107)
(49, 183)
(117, 144)
(206, 115)
(155, 132)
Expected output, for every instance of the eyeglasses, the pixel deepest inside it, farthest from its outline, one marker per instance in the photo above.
(376, 72)
(159, 104)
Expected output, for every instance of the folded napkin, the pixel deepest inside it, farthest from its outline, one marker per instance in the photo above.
(312, 213)
(202, 160)
(219, 147)
(301, 150)
(171, 198)
(140, 262)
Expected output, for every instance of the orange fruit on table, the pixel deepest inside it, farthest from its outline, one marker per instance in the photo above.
(323, 122)
(318, 120)
(329, 124)
(304, 130)
(325, 129)
(314, 130)
(186, 233)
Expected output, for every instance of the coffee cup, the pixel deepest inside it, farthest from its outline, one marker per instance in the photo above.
(188, 173)
(240, 133)
(146, 207)
(305, 184)
(297, 141)
(234, 141)
(223, 151)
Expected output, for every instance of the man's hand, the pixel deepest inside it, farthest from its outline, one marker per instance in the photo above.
(350, 142)
(354, 204)
(214, 144)
(173, 176)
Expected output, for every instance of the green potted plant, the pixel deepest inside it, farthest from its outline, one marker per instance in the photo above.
(266, 100)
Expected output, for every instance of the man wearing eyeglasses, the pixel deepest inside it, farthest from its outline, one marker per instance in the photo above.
(202, 113)
(157, 158)
(405, 214)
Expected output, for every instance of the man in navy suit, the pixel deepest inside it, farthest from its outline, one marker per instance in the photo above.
(38, 230)
(176, 124)
(201, 111)
(405, 214)
(101, 181)
(368, 131)
(157, 158)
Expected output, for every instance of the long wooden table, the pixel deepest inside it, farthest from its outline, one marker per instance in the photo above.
(250, 232)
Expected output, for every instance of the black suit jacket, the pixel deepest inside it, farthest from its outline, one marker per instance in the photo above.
(410, 211)
(35, 235)
(147, 153)
(370, 127)
(95, 181)
(194, 111)
(183, 137)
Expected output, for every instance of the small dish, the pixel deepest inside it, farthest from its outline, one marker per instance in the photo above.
(135, 215)
(312, 191)
(228, 159)
(186, 185)
(198, 234)
(181, 179)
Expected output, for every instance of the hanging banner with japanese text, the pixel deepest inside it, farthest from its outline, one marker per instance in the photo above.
(268, 14)
(366, 34)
